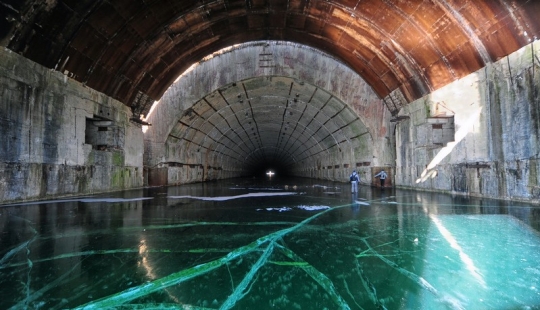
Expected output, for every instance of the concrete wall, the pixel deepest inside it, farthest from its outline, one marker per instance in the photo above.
(60, 138)
(495, 147)
(477, 136)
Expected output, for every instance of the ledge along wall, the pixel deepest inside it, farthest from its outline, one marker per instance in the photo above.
(478, 136)
(60, 138)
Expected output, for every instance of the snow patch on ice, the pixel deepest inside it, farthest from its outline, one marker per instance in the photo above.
(302, 207)
(224, 198)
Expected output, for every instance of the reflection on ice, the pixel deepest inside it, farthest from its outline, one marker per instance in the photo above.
(484, 263)
(467, 261)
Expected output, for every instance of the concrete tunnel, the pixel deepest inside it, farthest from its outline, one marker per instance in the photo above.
(104, 95)
(291, 117)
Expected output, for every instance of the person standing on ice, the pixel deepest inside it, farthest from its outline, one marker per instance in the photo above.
(354, 178)
(382, 176)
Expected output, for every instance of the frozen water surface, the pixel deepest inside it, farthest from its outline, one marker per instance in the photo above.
(270, 244)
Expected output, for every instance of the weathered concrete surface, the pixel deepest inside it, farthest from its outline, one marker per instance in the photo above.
(291, 74)
(47, 125)
(477, 136)
(497, 133)
(133, 50)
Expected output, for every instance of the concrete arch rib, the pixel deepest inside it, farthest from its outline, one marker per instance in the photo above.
(309, 136)
(308, 74)
(323, 120)
(304, 128)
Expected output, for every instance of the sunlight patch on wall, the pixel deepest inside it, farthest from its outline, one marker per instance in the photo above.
(464, 130)
(188, 70)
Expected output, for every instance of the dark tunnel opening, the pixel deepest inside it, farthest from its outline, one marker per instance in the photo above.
(263, 168)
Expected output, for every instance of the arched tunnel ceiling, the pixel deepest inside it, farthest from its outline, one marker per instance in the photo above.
(268, 121)
(132, 50)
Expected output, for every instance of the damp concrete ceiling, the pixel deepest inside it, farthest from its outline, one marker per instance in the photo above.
(133, 50)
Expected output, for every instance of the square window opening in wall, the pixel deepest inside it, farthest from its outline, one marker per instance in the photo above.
(103, 134)
(442, 129)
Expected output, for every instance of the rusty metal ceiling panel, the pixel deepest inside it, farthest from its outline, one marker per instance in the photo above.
(132, 71)
(427, 52)
(80, 7)
(331, 33)
(464, 60)
(100, 78)
(438, 74)
(408, 36)
(236, 4)
(106, 20)
(296, 21)
(376, 12)
(169, 10)
(193, 18)
(426, 17)
(220, 28)
(318, 9)
(125, 40)
(141, 46)
(256, 21)
(146, 81)
(144, 23)
(90, 43)
(277, 20)
(338, 17)
(297, 6)
(38, 39)
(313, 26)
(158, 69)
(389, 81)
(121, 88)
(178, 26)
(481, 14)
(446, 38)
(499, 41)
(78, 64)
(54, 24)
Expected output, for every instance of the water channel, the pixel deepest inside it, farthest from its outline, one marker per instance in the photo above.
(270, 244)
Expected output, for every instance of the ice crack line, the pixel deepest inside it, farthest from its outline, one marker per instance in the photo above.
(186, 274)
(239, 291)
(417, 279)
